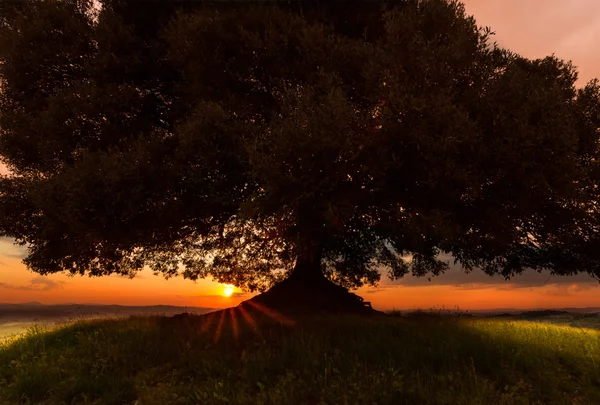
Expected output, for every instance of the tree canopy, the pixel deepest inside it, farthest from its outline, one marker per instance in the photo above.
(238, 140)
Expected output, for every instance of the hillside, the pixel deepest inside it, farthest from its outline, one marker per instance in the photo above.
(34, 311)
(15, 319)
(237, 358)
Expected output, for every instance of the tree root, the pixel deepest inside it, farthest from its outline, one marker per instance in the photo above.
(316, 295)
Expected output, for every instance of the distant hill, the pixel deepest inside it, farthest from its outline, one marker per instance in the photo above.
(541, 311)
(35, 311)
(499, 312)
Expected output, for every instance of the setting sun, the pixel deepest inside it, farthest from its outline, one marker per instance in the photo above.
(228, 290)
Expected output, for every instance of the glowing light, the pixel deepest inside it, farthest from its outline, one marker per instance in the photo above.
(228, 290)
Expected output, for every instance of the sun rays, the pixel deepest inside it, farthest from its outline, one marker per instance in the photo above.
(237, 320)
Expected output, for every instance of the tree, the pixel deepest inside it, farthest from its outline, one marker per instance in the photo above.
(306, 141)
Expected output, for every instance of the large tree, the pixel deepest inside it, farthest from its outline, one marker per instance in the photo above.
(261, 141)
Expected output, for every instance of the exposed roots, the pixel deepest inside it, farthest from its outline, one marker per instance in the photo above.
(314, 295)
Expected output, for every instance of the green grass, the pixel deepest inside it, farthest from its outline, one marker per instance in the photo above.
(322, 360)
(591, 321)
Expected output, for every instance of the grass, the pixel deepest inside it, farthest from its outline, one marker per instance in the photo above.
(589, 321)
(223, 358)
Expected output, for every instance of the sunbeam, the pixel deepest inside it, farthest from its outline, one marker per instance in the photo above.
(234, 323)
(248, 318)
(272, 314)
(219, 327)
(208, 320)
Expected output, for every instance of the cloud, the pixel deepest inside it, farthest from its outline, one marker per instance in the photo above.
(378, 289)
(9, 249)
(559, 291)
(136, 276)
(234, 295)
(19, 256)
(36, 284)
(567, 290)
(477, 279)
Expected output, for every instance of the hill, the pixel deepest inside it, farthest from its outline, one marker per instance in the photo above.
(239, 358)
(37, 311)
(16, 318)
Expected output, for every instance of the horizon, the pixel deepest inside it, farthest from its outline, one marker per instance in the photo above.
(530, 27)
(433, 309)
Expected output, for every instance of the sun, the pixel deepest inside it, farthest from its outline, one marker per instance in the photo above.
(228, 290)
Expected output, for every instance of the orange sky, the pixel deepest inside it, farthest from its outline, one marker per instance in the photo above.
(534, 28)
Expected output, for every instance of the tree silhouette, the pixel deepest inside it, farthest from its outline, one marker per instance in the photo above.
(315, 142)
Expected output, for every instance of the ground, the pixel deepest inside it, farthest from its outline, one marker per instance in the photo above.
(236, 357)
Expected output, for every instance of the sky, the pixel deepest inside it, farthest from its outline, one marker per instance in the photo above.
(570, 29)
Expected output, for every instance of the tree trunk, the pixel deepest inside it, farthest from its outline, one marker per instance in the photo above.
(308, 267)
(307, 290)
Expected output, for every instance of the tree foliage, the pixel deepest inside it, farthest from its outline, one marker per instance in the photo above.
(233, 140)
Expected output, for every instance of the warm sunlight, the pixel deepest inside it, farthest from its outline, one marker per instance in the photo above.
(299, 151)
(228, 290)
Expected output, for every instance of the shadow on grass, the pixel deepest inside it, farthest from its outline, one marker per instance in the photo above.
(241, 357)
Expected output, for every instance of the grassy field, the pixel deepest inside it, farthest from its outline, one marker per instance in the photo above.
(229, 357)
(590, 321)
